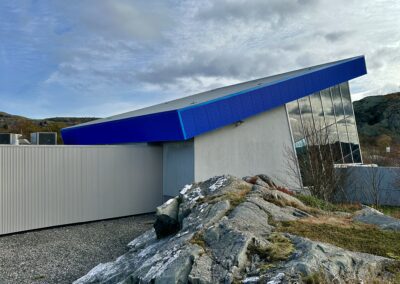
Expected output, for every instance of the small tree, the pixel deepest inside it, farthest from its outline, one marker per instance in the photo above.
(373, 181)
(312, 164)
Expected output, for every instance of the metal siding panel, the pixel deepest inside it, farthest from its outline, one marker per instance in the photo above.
(42, 186)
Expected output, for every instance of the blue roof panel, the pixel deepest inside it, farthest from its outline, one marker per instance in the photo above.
(128, 130)
(190, 121)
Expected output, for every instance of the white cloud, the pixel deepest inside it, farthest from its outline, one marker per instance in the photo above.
(135, 53)
(242, 40)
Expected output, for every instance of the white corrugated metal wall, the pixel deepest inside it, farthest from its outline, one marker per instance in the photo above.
(42, 186)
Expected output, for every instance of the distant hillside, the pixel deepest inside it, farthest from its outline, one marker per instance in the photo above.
(378, 119)
(25, 126)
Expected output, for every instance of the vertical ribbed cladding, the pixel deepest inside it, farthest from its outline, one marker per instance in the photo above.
(43, 186)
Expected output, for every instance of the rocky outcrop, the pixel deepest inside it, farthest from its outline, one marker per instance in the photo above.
(225, 233)
(371, 216)
(167, 218)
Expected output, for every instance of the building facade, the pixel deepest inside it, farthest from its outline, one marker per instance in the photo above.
(244, 129)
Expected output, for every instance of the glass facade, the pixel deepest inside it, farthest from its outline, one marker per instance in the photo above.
(325, 121)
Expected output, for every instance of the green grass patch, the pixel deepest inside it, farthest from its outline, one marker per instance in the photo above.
(391, 211)
(354, 237)
(315, 202)
(394, 269)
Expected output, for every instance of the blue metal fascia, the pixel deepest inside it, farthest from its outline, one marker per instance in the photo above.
(157, 127)
(188, 122)
(210, 115)
(181, 123)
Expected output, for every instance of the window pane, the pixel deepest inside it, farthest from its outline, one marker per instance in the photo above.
(350, 122)
(306, 116)
(328, 107)
(357, 156)
(295, 120)
(331, 129)
(335, 144)
(341, 124)
(354, 143)
(347, 105)
(337, 102)
(318, 114)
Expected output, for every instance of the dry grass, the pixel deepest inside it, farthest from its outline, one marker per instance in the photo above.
(314, 202)
(235, 197)
(394, 269)
(389, 275)
(342, 233)
(280, 248)
(315, 278)
(286, 202)
(344, 222)
(198, 239)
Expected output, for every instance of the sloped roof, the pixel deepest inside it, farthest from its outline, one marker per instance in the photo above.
(190, 116)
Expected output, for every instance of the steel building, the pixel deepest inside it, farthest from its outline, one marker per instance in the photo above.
(242, 129)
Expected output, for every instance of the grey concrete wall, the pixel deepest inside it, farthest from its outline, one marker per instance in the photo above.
(178, 166)
(359, 186)
(258, 145)
(42, 186)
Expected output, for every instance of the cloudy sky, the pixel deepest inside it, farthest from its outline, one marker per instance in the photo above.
(103, 57)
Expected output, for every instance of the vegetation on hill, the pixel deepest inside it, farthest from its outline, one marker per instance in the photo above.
(378, 123)
(378, 118)
(22, 125)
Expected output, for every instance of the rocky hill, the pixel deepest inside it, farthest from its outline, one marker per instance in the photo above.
(230, 230)
(378, 119)
(25, 126)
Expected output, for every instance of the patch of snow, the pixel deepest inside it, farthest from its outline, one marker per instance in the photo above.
(277, 279)
(185, 189)
(219, 183)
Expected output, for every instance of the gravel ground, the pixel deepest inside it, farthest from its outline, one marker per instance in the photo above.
(63, 254)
